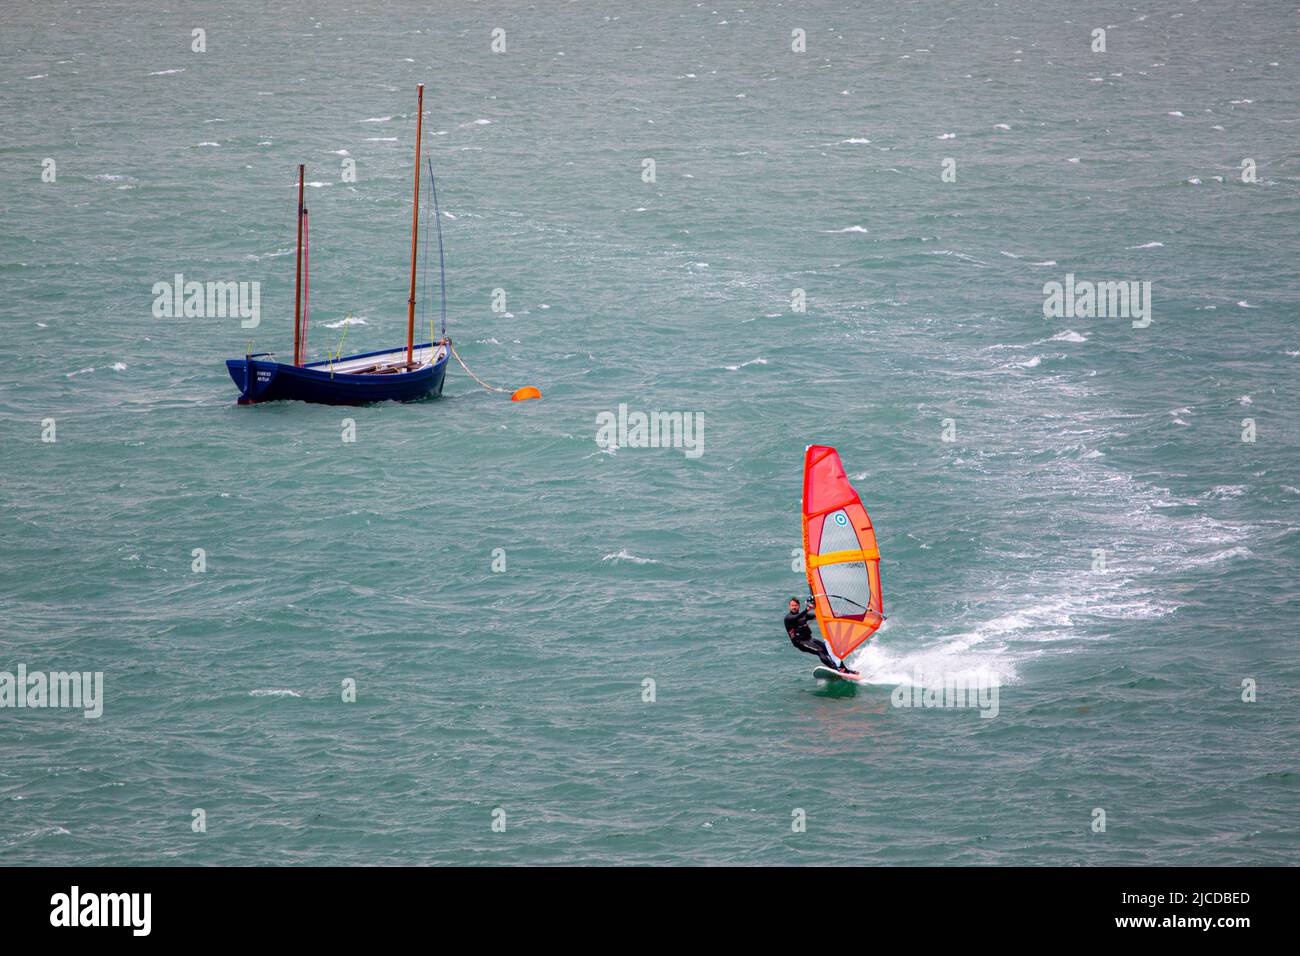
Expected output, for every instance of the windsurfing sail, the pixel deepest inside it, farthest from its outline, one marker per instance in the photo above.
(840, 554)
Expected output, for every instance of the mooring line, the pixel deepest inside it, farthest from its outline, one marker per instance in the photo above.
(490, 388)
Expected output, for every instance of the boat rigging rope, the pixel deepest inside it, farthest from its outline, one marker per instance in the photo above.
(442, 261)
(424, 276)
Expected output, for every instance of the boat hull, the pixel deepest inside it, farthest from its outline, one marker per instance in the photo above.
(328, 383)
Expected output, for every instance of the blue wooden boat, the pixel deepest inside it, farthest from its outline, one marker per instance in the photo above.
(404, 374)
(352, 380)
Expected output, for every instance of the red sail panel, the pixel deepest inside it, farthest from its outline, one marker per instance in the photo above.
(840, 554)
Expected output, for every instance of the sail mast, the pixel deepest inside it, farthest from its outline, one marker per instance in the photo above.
(306, 278)
(297, 287)
(415, 228)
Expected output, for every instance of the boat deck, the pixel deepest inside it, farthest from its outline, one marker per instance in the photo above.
(389, 362)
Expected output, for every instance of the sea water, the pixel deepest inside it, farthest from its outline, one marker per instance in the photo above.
(470, 631)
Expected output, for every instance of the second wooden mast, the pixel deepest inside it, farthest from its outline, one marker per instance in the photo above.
(415, 228)
(297, 283)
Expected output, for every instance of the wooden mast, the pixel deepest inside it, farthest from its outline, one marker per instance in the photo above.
(297, 289)
(415, 229)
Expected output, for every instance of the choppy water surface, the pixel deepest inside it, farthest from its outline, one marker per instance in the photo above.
(523, 689)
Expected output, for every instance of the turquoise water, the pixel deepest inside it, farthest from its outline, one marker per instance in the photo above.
(523, 689)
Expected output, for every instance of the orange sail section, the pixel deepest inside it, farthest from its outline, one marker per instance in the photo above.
(840, 554)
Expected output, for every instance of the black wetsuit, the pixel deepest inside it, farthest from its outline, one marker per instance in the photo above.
(796, 625)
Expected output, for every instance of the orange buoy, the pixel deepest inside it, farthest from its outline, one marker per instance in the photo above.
(525, 393)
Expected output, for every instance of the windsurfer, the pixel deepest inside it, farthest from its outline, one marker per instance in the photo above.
(796, 626)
